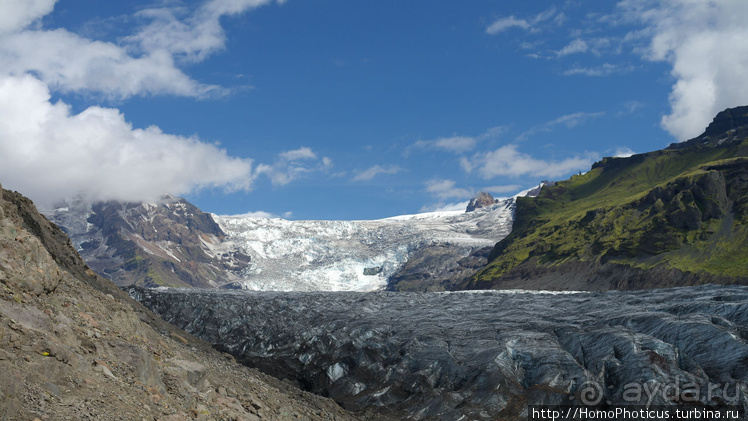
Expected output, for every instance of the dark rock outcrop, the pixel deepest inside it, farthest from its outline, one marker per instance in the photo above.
(481, 200)
(438, 267)
(482, 355)
(731, 119)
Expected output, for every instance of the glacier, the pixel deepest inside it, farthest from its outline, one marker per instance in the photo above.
(482, 355)
(173, 243)
(319, 255)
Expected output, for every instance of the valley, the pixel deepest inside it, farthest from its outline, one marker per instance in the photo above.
(574, 293)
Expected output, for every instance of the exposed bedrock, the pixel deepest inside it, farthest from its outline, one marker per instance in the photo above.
(482, 355)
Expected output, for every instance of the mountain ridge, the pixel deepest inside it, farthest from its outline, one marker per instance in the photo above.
(677, 216)
(168, 243)
(173, 243)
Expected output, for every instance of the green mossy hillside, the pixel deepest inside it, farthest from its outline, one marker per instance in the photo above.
(682, 208)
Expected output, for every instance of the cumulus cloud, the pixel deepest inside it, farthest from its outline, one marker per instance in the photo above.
(292, 165)
(446, 189)
(17, 15)
(372, 172)
(508, 161)
(144, 63)
(706, 43)
(50, 154)
(70, 63)
(189, 35)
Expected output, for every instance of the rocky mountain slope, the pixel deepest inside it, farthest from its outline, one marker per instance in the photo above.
(173, 243)
(483, 355)
(75, 347)
(677, 216)
(169, 243)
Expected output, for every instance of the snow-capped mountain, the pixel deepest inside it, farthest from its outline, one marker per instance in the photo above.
(154, 244)
(353, 255)
(173, 243)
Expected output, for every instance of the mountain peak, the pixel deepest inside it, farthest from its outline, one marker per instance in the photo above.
(481, 200)
(727, 126)
(729, 119)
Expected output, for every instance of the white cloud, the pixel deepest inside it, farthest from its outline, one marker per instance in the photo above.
(262, 214)
(446, 189)
(605, 69)
(456, 144)
(50, 154)
(189, 35)
(17, 15)
(502, 24)
(508, 161)
(70, 63)
(292, 165)
(254, 214)
(298, 154)
(506, 23)
(623, 152)
(372, 172)
(574, 47)
(144, 64)
(706, 42)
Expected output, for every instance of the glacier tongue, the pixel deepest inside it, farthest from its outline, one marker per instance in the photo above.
(352, 255)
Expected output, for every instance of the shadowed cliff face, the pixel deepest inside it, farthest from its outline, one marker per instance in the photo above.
(73, 346)
(483, 355)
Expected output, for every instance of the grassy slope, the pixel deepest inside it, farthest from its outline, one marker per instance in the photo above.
(610, 214)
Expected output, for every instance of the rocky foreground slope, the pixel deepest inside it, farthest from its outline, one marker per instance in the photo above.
(75, 347)
(483, 355)
(678, 216)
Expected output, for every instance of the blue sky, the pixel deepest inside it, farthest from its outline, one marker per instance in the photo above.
(335, 109)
